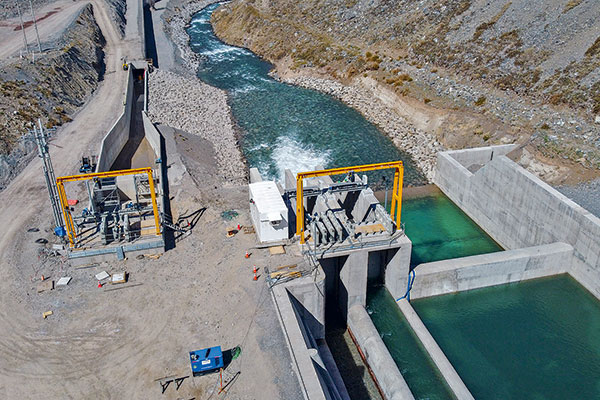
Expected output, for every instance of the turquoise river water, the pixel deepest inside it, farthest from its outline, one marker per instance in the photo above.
(285, 126)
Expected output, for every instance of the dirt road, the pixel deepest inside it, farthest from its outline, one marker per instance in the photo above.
(52, 19)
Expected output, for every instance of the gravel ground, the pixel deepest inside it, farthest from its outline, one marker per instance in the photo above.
(200, 109)
(586, 194)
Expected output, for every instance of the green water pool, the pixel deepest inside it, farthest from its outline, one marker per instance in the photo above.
(419, 372)
(439, 230)
(537, 339)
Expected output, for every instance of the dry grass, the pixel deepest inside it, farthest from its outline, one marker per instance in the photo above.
(571, 4)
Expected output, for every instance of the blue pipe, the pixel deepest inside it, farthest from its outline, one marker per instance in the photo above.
(411, 280)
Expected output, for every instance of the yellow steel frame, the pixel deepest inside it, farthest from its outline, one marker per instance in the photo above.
(396, 191)
(62, 194)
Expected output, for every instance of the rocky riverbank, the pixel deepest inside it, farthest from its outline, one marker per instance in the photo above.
(175, 21)
(200, 109)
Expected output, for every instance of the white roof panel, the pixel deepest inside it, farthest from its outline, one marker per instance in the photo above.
(267, 198)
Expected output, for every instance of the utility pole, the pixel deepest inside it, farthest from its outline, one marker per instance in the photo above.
(40, 139)
(22, 28)
(35, 25)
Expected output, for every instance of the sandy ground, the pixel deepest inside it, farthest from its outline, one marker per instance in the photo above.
(115, 342)
(53, 19)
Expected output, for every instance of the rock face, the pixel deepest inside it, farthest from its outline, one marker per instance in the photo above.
(52, 88)
(118, 9)
(200, 109)
(529, 46)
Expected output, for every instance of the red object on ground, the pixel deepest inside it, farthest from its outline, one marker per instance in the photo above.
(255, 277)
(255, 270)
(72, 202)
(99, 284)
(247, 255)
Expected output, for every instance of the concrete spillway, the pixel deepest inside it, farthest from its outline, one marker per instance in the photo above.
(137, 151)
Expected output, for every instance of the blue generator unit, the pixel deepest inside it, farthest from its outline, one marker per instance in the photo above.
(206, 360)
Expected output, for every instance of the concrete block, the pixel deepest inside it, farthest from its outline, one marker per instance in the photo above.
(255, 175)
(483, 270)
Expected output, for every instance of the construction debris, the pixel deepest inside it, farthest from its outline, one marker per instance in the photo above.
(276, 250)
(248, 229)
(45, 285)
(64, 281)
(47, 314)
(231, 232)
(120, 277)
(101, 276)
(229, 215)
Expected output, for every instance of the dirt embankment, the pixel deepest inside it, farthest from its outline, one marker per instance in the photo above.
(52, 88)
(470, 73)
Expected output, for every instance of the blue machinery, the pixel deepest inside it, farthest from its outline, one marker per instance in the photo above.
(206, 360)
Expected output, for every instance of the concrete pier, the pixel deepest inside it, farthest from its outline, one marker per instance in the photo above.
(452, 378)
(377, 356)
(483, 270)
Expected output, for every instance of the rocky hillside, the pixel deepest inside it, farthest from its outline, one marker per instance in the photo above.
(479, 71)
(52, 88)
(118, 10)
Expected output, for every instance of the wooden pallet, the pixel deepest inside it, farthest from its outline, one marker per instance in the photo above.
(276, 250)
(366, 229)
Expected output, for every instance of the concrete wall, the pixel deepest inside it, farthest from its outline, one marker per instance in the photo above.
(396, 271)
(478, 271)
(436, 354)
(519, 210)
(151, 134)
(315, 380)
(310, 294)
(389, 379)
(117, 136)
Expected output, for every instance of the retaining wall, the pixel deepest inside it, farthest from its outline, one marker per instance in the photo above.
(117, 136)
(483, 270)
(519, 210)
(315, 379)
(390, 380)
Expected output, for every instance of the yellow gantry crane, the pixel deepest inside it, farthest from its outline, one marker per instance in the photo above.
(395, 214)
(62, 195)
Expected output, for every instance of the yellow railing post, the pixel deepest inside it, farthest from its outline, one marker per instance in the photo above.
(299, 208)
(153, 196)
